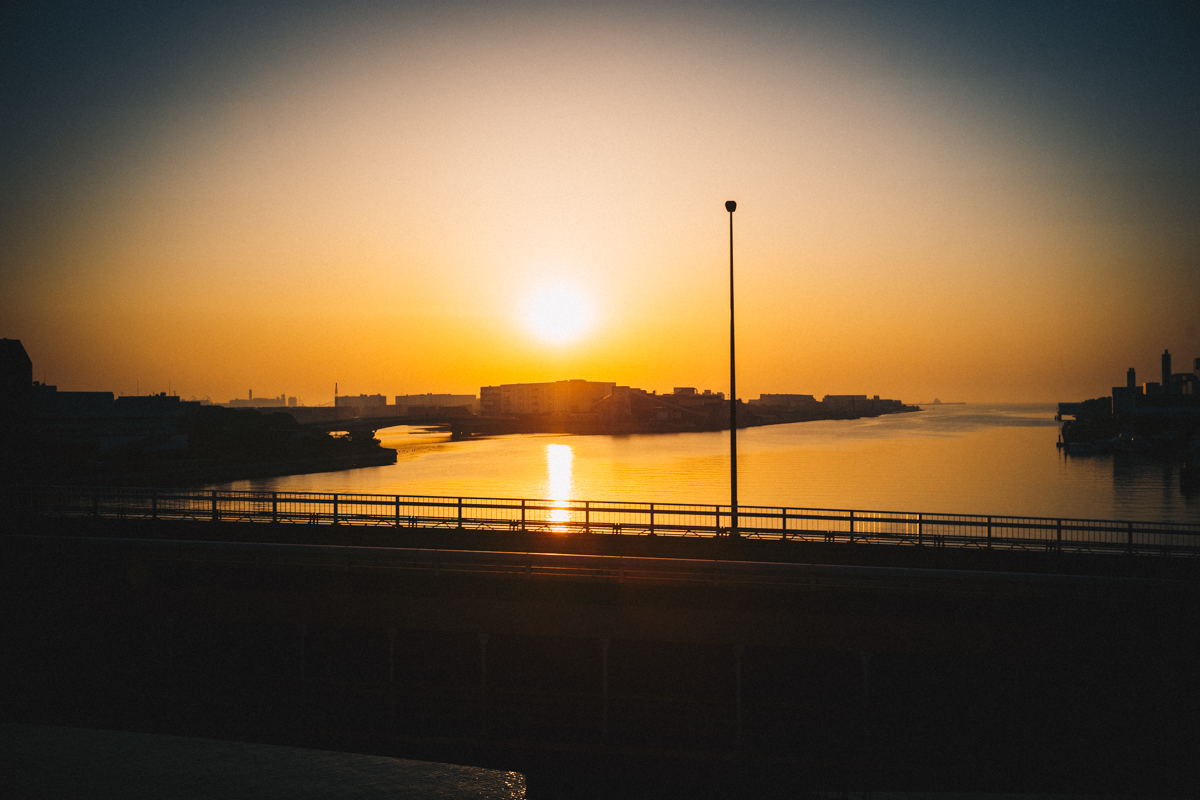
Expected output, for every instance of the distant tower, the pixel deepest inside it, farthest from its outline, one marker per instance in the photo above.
(1166, 369)
(1131, 378)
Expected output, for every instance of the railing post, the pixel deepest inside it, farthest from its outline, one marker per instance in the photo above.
(335, 508)
(716, 520)
(1058, 535)
(852, 528)
(1129, 540)
(216, 514)
(783, 511)
(460, 516)
(989, 532)
(587, 516)
(522, 514)
(652, 519)
(274, 506)
(920, 526)
(397, 511)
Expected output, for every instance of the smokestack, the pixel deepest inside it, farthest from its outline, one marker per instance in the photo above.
(1131, 378)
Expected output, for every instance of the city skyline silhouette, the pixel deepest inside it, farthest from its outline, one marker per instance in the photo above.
(378, 417)
(946, 200)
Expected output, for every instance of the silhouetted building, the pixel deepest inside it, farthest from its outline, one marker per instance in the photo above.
(844, 403)
(1183, 383)
(575, 396)
(16, 380)
(153, 405)
(1166, 411)
(630, 409)
(786, 401)
(49, 402)
(1125, 398)
(688, 397)
(16, 408)
(362, 401)
(259, 402)
(406, 402)
(859, 405)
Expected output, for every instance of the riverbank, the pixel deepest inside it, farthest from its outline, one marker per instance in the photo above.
(205, 473)
(207, 445)
(594, 425)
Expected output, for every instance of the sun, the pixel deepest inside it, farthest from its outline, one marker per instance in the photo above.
(558, 314)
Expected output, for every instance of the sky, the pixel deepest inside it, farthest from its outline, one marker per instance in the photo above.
(970, 201)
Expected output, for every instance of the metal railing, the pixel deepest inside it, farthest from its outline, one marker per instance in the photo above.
(609, 517)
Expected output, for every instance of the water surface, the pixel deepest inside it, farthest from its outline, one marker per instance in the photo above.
(996, 459)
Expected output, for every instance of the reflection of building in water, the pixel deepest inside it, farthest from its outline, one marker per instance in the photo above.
(430, 400)
(557, 398)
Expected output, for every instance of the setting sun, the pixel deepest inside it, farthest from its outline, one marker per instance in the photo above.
(557, 314)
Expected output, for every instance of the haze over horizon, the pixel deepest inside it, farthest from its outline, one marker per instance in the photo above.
(973, 202)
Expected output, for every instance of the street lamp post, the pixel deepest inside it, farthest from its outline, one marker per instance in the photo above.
(731, 206)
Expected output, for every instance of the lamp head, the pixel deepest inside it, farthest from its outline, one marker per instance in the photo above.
(730, 206)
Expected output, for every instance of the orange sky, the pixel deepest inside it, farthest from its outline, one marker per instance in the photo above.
(369, 203)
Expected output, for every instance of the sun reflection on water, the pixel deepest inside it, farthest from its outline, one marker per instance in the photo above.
(559, 460)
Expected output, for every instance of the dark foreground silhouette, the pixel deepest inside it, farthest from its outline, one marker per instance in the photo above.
(644, 682)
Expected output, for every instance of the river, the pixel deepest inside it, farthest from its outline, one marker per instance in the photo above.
(995, 459)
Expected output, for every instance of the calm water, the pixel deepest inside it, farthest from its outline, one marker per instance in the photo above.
(975, 459)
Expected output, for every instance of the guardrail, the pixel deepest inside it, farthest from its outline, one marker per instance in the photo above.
(608, 517)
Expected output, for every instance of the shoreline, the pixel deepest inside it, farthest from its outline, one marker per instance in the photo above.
(582, 426)
(199, 474)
